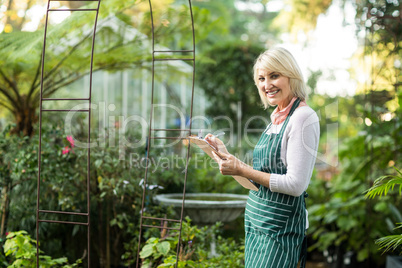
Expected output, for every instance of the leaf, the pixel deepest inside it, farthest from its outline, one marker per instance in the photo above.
(153, 240)
(147, 251)
(98, 163)
(389, 243)
(383, 184)
(60, 260)
(163, 247)
(346, 223)
(362, 254)
(397, 170)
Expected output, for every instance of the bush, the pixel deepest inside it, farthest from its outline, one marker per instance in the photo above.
(195, 249)
(20, 250)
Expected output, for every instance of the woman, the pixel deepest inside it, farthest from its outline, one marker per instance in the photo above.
(283, 162)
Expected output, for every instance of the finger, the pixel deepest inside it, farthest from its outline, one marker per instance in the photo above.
(211, 139)
(208, 136)
(217, 140)
(225, 170)
(217, 158)
(224, 155)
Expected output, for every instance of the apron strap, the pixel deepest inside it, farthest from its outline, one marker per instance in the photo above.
(294, 107)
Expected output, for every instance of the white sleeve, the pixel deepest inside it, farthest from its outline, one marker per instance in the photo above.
(302, 137)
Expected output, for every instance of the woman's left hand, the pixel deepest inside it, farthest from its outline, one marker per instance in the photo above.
(229, 165)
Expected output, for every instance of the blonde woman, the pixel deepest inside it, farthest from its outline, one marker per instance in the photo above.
(283, 162)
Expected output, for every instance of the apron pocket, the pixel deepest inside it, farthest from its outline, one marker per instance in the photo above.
(267, 216)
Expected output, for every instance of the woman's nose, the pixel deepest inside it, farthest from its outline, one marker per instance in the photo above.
(267, 84)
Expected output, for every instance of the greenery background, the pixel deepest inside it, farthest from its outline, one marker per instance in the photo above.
(343, 223)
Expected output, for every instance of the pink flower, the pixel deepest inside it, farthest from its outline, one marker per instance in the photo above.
(71, 140)
(66, 150)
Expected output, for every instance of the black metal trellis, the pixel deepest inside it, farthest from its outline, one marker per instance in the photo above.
(152, 131)
(40, 211)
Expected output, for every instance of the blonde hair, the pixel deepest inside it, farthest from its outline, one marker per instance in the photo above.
(280, 60)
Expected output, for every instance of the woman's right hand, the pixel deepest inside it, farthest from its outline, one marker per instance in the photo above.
(216, 142)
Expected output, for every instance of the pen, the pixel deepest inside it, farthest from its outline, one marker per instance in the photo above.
(219, 134)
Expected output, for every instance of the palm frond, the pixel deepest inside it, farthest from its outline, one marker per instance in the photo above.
(389, 243)
(397, 170)
(16, 45)
(384, 184)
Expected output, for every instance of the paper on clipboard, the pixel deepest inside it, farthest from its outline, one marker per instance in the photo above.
(208, 148)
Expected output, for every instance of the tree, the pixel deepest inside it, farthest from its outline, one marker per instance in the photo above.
(228, 82)
(247, 20)
(118, 46)
(301, 15)
(67, 58)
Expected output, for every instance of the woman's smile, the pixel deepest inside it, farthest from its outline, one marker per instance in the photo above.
(272, 93)
(276, 87)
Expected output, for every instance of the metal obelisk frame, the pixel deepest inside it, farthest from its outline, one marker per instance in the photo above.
(151, 131)
(40, 211)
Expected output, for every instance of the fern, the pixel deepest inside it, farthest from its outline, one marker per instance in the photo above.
(383, 184)
(381, 187)
(389, 243)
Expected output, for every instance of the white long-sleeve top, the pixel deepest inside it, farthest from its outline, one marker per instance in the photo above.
(298, 152)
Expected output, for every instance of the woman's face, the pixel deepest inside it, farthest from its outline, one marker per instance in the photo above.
(276, 88)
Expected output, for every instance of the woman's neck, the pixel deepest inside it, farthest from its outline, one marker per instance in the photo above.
(284, 104)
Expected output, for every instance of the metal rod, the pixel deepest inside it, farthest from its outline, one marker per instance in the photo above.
(65, 110)
(63, 212)
(40, 136)
(74, 9)
(65, 222)
(161, 219)
(186, 59)
(63, 99)
(169, 138)
(160, 227)
(163, 51)
(170, 129)
(74, 0)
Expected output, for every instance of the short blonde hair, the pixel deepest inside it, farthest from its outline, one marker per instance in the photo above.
(280, 60)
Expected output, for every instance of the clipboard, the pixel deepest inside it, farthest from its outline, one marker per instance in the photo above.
(208, 149)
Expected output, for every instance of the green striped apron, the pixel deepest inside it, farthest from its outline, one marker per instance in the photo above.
(275, 223)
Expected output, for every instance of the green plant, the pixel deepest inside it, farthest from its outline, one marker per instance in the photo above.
(195, 249)
(341, 219)
(20, 248)
(381, 187)
(116, 194)
(154, 250)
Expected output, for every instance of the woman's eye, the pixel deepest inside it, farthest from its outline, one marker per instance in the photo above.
(261, 79)
(275, 76)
